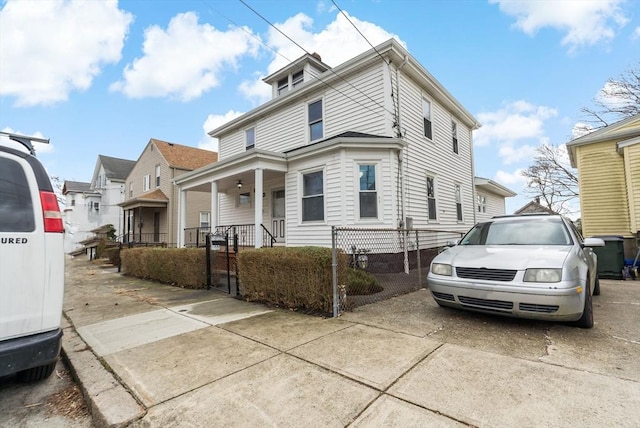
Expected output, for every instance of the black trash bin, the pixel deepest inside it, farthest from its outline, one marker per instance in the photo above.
(610, 257)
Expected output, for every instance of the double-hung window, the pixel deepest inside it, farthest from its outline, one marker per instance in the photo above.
(454, 136)
(146, 182)
(157, 175)
(313, 196)
(283, 85)
(426, 118)
(297, 78)
(482, 203)
(315, 121)
(205, 217)
(458, 202)
(431, 198)
(368, 192)
(250, 138)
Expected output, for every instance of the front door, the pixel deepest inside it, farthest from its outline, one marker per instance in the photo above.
(277, 215)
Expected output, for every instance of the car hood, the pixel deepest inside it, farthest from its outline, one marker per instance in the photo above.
(518, 257)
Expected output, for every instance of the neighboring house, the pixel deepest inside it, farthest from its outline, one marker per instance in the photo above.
(150, 208)
(534, 207)
(490, 198)
(608, 163)
(81, 213)
(109, 180)
(376, 142)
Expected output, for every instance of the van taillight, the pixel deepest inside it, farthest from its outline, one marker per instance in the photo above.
(51, 212)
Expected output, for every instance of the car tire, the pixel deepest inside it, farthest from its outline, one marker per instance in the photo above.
(35, 374)
(596, 288)
(586, 320)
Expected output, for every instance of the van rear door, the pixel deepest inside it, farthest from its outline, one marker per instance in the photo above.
(23, 282)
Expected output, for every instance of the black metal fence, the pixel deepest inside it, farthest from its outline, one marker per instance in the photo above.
(383, 263)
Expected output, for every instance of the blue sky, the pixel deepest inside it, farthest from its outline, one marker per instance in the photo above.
(102, 77)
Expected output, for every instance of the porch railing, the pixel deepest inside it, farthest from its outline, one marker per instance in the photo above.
(147, 238)
(244, 235)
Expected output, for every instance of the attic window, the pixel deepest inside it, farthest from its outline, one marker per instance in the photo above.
(297, 78)
(283, 85)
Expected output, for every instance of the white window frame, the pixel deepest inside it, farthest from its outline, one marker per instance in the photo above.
(303, 196)
(425, 119)
(95, 206)
(435, 198)
(283, 87)
(321, 120)
(243, 201)
(295, 80)
(454, 136)
(157, 176)
(375, 191)
(207, 222)
(481, 203)
(457, 191)
(247, 132)
(146, 183)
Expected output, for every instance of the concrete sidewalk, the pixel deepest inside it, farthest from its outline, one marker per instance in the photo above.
(154, 355)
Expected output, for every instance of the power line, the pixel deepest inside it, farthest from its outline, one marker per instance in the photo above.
(330, 69)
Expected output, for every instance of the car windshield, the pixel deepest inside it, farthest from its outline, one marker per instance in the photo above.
(546, 231)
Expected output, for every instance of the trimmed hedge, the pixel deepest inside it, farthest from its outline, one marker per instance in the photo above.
(297, 278)
(182, 267)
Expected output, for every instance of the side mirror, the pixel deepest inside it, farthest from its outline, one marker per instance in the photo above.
(453, 243)
(593, 242)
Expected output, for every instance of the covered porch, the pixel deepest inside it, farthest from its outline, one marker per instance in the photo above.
(247, 200)
(145, 219)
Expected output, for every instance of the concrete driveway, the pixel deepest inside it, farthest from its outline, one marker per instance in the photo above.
(201, 358)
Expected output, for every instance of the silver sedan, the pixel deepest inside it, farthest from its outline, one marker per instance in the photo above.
(528, 266)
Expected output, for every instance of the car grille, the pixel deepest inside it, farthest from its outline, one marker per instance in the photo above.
(532, 307)
(486, 274)
(487, 304)
(443, 296)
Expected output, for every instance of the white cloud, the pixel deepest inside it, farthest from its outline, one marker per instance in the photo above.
(300, 28)
(513, 122)
(40, 148)
(212, 122)
(50, 48)
(580, 129)
(511, 154)
(636, 34)
(513, 180)
(185, 60)
(584, 23)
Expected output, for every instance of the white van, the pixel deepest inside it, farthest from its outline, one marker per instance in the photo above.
(31, 265)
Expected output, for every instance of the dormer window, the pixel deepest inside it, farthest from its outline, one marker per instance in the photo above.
(283, 85)
(297, 79)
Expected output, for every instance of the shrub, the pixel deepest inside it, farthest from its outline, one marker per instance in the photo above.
(183, 267)
(293, 277)
(360, 282)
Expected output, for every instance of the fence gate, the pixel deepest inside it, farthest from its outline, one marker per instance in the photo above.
(381, 263)
(222, 271)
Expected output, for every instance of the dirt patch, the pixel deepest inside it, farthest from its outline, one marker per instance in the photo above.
(68, 402)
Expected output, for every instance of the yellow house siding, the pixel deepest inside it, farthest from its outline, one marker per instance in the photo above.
(632, 168)
(605, 210)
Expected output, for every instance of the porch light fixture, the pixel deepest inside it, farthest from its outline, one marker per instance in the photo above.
(239, 184)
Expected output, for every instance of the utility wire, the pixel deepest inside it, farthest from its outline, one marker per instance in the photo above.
(321, 80)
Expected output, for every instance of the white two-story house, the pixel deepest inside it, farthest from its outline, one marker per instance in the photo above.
(376, 142)
(108, 180)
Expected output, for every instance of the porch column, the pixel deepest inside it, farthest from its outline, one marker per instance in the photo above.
(258, 206)
(215, 220)
(182, 216)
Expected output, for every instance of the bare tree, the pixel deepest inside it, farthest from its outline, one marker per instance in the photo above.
(617, 100)
(551, 179)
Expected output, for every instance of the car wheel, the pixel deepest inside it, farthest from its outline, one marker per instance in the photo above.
(586, 320)
(596, 289)
(36, 373)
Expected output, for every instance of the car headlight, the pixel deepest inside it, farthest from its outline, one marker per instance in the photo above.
(441, 269)
(543, 275)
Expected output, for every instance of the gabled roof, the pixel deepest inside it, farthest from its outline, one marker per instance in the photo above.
(534, 207)
(116, 168)
(184, 157)
(392, 51)
(313, 59)
(76, 187)
(493, 187)
(621, 130)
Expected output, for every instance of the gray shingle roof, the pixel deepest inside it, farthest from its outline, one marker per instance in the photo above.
(76, 186)
(115, 168)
